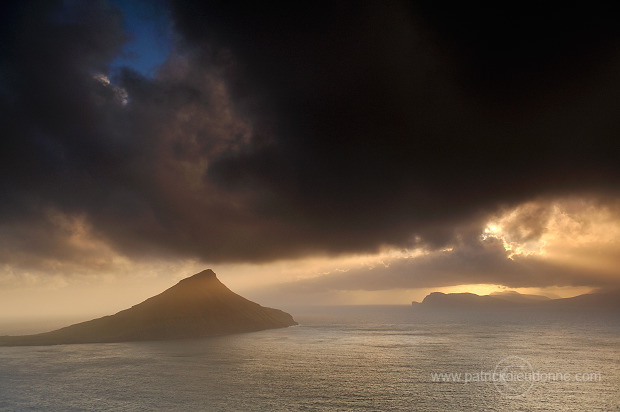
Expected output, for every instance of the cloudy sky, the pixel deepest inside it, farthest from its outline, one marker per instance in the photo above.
(311, 152)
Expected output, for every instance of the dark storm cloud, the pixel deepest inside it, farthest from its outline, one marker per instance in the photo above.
(392, 118)
(279, 131)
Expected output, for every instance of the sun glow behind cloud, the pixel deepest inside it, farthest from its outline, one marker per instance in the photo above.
(518, 239)
(578, 232)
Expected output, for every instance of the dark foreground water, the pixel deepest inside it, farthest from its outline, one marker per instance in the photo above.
(338, 359)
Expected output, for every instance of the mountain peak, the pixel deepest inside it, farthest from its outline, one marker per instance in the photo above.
(204, 275)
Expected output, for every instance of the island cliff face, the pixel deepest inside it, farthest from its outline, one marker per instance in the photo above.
(198, 306)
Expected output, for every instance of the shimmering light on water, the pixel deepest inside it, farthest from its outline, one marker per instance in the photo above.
(379, 358)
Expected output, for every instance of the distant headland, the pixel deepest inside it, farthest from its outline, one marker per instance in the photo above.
(597, 304)
(198, 306)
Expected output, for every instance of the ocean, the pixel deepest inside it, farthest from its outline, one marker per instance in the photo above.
(371, 358)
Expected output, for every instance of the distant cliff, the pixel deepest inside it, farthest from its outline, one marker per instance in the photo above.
(197, 306)
(512, 303)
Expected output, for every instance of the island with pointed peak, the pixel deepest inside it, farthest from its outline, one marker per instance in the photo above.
(196, 307)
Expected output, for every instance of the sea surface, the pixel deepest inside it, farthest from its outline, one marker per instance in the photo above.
(383, 358)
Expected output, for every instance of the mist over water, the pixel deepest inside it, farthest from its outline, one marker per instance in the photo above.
(338, 358)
